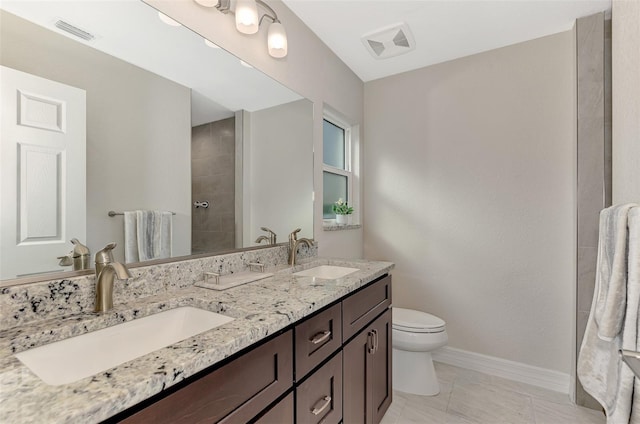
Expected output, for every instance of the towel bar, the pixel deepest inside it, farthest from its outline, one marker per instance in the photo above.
(112, 213)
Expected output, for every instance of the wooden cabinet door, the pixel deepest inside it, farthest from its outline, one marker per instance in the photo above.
(234, 393)
(367, 373)
(381, 387)
(319, 397)
(362, 307)
(280, 413)
(316, 339)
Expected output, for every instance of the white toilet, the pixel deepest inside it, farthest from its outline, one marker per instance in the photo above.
(415, 335)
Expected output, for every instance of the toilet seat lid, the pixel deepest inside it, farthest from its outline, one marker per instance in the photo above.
(410, 319)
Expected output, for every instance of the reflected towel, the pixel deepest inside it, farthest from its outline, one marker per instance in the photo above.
(612, 323)
(147, 235)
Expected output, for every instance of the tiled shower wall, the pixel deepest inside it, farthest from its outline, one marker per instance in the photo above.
(593, 43)
(213, 180)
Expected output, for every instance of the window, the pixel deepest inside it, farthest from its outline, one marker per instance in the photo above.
(337, 173)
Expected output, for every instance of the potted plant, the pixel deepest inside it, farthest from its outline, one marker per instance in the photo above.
(342, 211)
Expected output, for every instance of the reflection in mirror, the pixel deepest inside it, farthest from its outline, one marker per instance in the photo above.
(145, 120)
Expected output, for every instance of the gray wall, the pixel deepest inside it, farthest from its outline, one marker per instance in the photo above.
(277, 184)
(626, 100)
(138, 130)
(213, 180)
(470, 189)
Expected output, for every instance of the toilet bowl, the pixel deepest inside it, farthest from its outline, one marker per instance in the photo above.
(415, 335)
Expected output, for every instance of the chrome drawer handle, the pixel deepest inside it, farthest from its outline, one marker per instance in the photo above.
(327, 402)
(320, 337)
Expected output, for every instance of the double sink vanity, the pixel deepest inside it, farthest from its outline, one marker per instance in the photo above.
(312, 343)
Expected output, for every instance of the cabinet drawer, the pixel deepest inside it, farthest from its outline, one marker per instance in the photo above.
(317, 338)
(280, 413)
(234, 393)
(319, 398)
(361, 308)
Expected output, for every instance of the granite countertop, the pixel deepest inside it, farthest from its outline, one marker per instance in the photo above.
(260, 309)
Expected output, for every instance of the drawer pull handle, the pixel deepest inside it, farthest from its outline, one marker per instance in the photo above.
(327, 402)
(371, 346)
(320, 337)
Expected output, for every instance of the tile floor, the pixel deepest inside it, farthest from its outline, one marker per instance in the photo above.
(469, 397)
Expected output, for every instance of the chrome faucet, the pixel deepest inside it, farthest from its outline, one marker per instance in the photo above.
(293, 245)
(106, 271)
(271, 239)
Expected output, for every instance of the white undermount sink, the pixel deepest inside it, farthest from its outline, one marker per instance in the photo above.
(327, 272)
(82, 356)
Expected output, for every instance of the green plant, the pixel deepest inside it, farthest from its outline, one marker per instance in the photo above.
(341, 208)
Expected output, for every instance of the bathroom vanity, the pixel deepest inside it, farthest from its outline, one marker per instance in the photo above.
(300, 349)
(346, 344)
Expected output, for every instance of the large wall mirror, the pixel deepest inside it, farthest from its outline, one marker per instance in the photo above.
(108, 107)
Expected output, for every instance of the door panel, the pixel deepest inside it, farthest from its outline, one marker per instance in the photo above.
(43, 172)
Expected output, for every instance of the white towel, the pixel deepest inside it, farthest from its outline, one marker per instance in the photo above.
(612, 323)
(147, 235)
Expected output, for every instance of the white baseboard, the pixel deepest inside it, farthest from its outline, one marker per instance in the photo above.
(523, 373)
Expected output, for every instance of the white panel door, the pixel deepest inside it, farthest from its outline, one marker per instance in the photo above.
(43, 172)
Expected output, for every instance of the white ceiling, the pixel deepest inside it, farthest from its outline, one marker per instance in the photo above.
(131, 30)
(443, 29)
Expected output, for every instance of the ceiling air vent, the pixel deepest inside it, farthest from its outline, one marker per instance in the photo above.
(389, 41)
(67, 27)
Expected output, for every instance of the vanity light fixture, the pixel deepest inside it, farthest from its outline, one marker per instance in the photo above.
(248, 21)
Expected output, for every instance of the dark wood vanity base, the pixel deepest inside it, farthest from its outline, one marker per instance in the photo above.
(333, 366)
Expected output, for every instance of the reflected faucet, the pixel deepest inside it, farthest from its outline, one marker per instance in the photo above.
(261, 239)
(271, 239)
(106, 271)
(78, 257)
(293, 245)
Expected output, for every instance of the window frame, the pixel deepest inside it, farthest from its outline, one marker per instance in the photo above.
(348, 162)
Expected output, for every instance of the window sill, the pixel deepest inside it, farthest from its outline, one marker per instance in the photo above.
(330, 225)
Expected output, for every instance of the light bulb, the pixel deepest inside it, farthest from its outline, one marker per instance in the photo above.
(247, 16)
(277, 40)
(167, 20)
